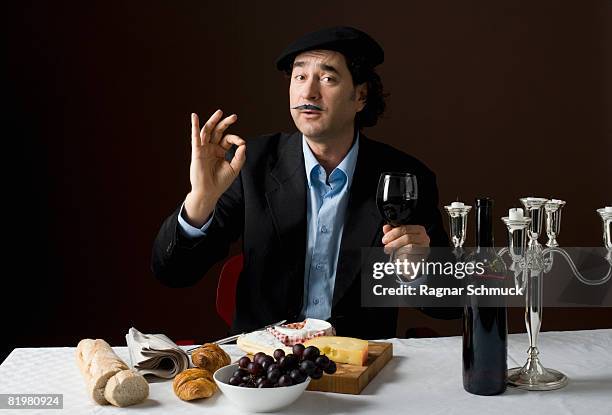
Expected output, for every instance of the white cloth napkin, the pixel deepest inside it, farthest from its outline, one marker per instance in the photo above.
(155, 354)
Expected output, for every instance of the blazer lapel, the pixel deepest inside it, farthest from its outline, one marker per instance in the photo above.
(286, 197)
(362, 223)
(286, 191)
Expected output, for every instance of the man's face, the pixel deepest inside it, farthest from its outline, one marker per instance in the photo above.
(321, 80)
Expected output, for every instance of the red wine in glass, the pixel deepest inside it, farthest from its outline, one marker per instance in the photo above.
(396, 197)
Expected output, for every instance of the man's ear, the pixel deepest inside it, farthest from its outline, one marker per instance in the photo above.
(361, 92)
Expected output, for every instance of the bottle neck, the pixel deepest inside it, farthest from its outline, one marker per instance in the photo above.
(484, 226)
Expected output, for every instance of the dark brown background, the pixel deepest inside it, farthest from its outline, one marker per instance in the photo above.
(98, 135)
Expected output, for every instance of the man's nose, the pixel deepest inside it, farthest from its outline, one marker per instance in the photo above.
(311, 89)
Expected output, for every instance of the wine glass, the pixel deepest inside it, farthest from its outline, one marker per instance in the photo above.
(396, 198)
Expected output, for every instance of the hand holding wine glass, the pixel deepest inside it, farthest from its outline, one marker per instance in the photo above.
(397, 197)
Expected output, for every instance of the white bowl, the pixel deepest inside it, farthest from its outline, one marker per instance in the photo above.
(257, 399)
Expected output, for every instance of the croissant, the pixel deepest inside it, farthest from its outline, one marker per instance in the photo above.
(211, 357)
(193, 384)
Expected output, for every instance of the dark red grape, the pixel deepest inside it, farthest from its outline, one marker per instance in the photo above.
(272, 367)
(246, 378)
(297, 376)
(298, 350)
(234, 380)
(311, 353)
(331, 368)
(322, 361)
(274, 375)
(289, 362)
(265, 384)
(278, 353)
(285, 380)
(265, 363)
(244, 362)
(317, 373)
(307, 366)
(258, 356)
(254, 368)
(240, 373)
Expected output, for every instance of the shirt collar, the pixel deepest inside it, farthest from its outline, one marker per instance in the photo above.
(347, 165)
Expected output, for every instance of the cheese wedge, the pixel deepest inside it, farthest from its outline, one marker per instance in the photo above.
(342, 349)
(260, 341)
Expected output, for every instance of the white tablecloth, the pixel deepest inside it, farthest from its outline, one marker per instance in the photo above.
(424, 377)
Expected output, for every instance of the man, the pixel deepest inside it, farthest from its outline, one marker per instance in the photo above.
(304, 204)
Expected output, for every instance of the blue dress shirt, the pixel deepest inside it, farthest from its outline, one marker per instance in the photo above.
(326, 209)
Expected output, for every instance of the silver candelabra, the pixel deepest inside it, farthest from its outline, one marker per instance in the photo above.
(530, 261)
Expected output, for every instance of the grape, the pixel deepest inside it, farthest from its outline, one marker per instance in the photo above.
(254, 368)
(244, 362)
(258, 356)
(285, 380)
(246, 378)
(265, 384)
(331, 368)
(272, 367)
(307, 366)
(298, 350)
(322, 361)
(235, 381)
(310, 353)
(297, 376)
(278, 353)
(316, 373)
(243, 385)
(240, 373)
(266, 363)
(274, 375)
(290, 361)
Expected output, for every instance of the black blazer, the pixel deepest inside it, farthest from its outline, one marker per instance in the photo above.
(266, 206)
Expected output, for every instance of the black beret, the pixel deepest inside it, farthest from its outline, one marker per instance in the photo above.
(346, 40)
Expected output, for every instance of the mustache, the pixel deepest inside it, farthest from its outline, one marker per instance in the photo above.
(307, 107)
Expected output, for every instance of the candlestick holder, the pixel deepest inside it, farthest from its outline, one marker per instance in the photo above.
(530, 261)
(457, 216)
(533, 261)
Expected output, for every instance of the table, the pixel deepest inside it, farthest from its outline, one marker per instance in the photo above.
(424, 377)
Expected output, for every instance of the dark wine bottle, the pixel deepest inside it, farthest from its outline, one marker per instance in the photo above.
(485, 332)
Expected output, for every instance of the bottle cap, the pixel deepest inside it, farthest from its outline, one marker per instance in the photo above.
(484, 202)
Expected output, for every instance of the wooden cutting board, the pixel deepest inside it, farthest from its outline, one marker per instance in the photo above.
(352, 379)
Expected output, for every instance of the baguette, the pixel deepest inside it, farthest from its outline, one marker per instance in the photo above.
(108, 378)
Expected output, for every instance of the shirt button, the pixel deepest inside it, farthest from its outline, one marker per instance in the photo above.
(316, 301)
(319, 266)
(324, 229)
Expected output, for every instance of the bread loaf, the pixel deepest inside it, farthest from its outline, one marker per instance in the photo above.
(210, 357)
(193, 384)
(108, 378)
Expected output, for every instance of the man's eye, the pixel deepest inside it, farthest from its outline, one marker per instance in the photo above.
(328, 79)
(299, 77)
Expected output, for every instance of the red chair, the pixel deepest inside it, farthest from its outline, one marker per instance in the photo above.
(226, 288)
